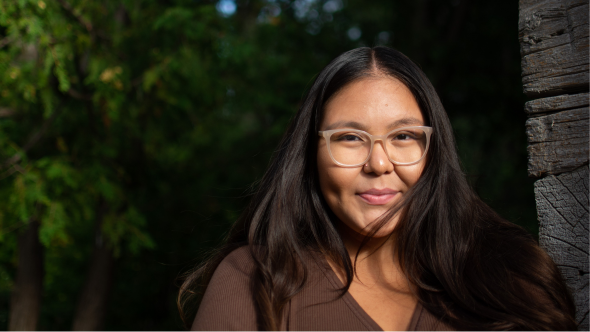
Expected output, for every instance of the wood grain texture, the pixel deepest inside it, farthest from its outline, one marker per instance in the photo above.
(562, 207)
(558, 142)
(559, 126)
(553, 38)
(558, 103)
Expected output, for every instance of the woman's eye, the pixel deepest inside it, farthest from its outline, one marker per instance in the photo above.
(402, 137)
(349, 138)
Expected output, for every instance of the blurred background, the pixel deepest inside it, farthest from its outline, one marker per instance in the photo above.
(132, 132)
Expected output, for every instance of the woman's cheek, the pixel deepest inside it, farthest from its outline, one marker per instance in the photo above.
(410, 174)
(337, 184)
(333, 186)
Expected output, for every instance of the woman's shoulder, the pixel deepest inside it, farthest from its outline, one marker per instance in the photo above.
(227, 303)
(237, 266)
(239, 262)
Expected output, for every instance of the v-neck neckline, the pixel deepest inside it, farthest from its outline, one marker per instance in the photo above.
(355, 307)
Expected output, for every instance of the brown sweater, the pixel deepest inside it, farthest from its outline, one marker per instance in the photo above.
(228, 303)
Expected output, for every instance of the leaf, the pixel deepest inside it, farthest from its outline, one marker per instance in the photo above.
(126, 230)
(173, 18)
(108, 189)
(53, 226)
(62, 77)
(150, 77)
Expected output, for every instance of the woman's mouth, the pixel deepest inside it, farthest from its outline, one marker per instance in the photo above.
(378, 196)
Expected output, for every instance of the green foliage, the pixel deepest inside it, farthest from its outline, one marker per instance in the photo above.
(160, 115)
(127, 226)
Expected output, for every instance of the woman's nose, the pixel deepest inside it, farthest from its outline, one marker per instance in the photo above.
(378, 161)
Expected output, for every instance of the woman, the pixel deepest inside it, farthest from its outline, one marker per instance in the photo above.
(364, 221)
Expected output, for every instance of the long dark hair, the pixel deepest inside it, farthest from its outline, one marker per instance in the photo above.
(471, 268)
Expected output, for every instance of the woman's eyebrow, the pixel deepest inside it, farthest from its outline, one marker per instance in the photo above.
(405, 122)
(349, 124)
(357, 125)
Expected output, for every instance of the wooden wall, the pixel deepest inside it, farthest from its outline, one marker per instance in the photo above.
(553, 38)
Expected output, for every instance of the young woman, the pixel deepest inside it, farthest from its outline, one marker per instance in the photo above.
(365, 221)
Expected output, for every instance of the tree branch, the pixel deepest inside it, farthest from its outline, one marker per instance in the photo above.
(5, 41)
(32, 141)
(8, 173)
(78, 95)
(86, 24)
(83, 22)
(6, 112)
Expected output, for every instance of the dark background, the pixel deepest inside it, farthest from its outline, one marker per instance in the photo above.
(164, 114)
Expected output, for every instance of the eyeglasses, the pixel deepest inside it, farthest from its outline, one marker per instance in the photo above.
(352, 147)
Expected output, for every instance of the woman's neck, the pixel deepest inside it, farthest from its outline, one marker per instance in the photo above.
(376, 263)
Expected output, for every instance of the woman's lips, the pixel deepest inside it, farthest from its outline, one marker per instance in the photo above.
(378, 196)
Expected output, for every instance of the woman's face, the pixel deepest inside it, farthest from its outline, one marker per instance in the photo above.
(359, 195)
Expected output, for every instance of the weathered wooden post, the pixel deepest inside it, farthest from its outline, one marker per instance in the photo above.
(553, 38)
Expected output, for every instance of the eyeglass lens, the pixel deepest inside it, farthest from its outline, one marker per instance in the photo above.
(352, 148)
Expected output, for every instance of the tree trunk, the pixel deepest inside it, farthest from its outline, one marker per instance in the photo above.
(26, 293)
(554, 48)
(92, 303)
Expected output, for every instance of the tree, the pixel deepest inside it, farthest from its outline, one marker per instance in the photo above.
(26, 295)
(54, 177)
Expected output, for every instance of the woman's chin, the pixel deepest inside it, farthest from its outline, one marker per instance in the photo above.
(362, 229)
(383, 232)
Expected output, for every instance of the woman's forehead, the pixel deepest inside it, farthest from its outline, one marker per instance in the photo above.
(372, 103)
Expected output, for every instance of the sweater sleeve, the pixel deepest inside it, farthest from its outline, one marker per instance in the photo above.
(228, 302)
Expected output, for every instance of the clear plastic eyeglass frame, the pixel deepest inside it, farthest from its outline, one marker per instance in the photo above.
(328, 133)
